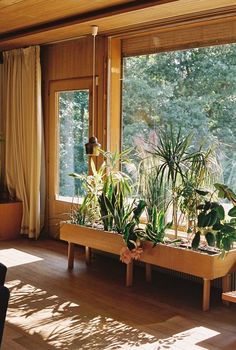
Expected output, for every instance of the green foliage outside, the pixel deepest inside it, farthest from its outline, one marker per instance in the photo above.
(193, 89)
(74, 125)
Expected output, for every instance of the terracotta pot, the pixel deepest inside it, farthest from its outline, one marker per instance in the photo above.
(10, 220)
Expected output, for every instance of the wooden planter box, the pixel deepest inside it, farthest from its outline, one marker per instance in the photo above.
(203, 265)
(10, 222)
(93, 238)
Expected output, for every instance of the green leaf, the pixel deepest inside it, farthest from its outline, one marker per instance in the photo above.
(217, 226)
(226, 242)
(161, 220)
(128, 231)
(227, 229)
(138, 210)
(218, 239)
(202, 219)
(109, 205)
(226, 192)
(201, 192)
(232, 212)
(154, 217)
(214, 205)
(210, 239)
(196, 240)
(219, 186)
(220, 212)
(93, 167)
(212, 218)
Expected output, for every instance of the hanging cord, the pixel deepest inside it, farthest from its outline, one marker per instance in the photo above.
(94, 33)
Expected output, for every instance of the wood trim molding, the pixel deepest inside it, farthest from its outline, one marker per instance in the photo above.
(114, 89)
(190, 20)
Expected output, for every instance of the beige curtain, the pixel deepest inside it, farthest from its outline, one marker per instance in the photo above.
(1, 128)
(24, 134)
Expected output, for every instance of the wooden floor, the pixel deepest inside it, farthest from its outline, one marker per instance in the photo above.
(90, 307)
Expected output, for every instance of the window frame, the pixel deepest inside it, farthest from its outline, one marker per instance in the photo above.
(58, 205)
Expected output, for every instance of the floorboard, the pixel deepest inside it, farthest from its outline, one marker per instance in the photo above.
(90, 307)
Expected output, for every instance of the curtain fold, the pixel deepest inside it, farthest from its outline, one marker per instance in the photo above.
(2, 130)
(24, 135)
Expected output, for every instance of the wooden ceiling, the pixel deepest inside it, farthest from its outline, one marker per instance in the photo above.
(16, 14)
(30, 22)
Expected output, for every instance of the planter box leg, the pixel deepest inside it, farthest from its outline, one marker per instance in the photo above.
(70, 255)
(129, 274)
(226, 286)
(148, 268)
(206, 294)
(88, 253)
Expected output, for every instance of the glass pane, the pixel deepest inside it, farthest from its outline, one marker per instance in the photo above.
(73, 111)
(194, 89)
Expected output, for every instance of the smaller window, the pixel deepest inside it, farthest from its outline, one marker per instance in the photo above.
(73, 115)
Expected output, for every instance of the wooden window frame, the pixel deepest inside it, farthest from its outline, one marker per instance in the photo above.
(57, 206)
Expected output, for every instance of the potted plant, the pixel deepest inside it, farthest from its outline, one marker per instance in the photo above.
(10, 209)
(183, 171)
(106, 220)
(218, 230)
(179, 167)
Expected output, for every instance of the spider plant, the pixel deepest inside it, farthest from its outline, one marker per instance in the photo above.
(93, 185)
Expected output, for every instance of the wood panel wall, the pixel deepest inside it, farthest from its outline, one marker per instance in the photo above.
(65, 60)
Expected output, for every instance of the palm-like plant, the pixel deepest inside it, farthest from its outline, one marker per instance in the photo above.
(176, 157)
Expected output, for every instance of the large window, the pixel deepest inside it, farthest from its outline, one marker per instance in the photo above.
(194, 89)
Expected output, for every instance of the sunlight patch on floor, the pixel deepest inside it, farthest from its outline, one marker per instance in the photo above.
(63, 324)
(14, 257)
(187, 340)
